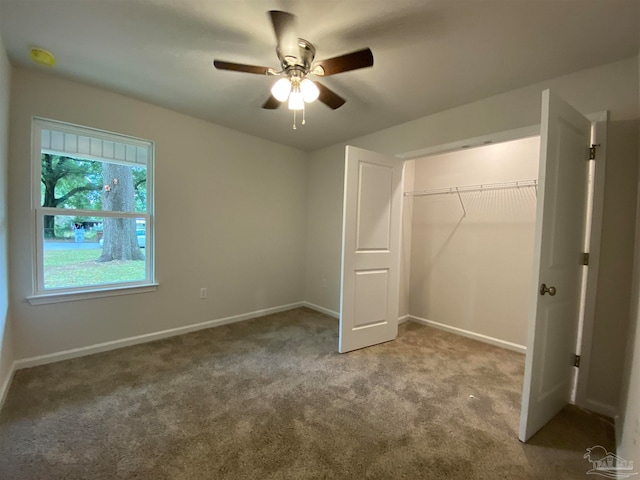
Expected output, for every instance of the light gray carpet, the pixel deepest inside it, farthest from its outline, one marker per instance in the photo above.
(271, 398)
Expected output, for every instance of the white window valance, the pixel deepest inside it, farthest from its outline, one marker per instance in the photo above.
(93, 148)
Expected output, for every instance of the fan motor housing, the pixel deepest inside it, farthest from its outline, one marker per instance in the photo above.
(307, 54)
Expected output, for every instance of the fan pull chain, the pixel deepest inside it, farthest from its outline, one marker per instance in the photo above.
(304, 121)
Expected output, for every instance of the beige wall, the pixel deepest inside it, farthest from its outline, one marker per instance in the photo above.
(6, 344)
(473, 271)
(612, 87)
(230, 215)
(612, 309)
(628, 426)
(629, 434)
(324, 228)
(405, 254)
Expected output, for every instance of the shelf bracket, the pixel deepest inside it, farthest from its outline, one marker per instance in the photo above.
(464, 210)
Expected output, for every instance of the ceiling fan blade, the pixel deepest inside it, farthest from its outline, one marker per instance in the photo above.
(241, 67)
(284, 26)
(343, 63)
(329, 97)
(272, 103)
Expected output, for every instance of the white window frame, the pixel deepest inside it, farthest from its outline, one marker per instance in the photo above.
(55, 295)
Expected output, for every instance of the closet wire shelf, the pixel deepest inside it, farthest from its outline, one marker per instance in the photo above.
(473, 188)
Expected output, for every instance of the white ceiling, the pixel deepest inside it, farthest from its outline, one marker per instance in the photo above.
(429, 55)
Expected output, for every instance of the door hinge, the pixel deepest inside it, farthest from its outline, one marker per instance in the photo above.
(592, 151)
(585, 258)
(576, 361)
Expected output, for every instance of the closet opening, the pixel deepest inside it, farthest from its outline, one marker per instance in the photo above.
(469, 220)
(472, 216)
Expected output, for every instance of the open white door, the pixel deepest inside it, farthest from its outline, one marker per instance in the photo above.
(372, 216)
(559, 240)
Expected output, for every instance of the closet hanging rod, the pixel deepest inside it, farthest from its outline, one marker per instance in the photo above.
(474, 188)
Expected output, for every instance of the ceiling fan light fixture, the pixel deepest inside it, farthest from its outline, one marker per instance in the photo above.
(296, 56)
(281, 89)
(296, 100)
(310, 91)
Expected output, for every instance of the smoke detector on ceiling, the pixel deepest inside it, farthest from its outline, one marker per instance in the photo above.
(43, 57)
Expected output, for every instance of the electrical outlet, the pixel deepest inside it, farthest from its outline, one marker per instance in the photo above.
(203, 293)
(324, 283)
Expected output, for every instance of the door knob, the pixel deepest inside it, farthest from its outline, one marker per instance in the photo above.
(550, 290)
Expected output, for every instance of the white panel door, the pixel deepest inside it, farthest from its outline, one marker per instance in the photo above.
(559, 241)
(372, 214)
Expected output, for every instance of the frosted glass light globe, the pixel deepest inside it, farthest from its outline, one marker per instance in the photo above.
(296, 101)
(281, 89)
(309, 90)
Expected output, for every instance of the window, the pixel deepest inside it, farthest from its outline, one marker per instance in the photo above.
(93, 204)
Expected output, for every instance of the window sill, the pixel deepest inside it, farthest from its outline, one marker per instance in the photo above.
(46, 298)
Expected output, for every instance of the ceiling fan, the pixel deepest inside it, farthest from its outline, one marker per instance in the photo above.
(296, 57)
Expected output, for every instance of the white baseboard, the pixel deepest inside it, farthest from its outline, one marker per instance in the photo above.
(4, 388)
(618, 429)
(104, 347)
(148, 337)
(320, 309)
(600, 408)
(473, 335)
(333, 314)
